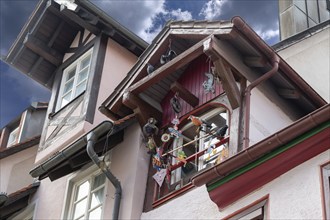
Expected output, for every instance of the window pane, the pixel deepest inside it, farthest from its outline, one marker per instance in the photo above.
(68, 86)
(96, 213)
(82, 75)
(85, 62)
(66, 99)
(98, 181)
(12, 137)
(80, 88)
(71, 74)
(97, 198)
(82, 190)
(80, 208)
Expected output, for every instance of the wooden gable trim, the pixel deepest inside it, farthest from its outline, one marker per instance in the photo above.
(168, 68)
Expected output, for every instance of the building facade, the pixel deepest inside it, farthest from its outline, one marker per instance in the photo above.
(207, 121)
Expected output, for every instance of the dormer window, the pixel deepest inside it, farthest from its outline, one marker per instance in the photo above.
(74, 79)
(13, 137)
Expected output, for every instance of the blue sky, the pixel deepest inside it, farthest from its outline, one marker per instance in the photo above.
(145, 18)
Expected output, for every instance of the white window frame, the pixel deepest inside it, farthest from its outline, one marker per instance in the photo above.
(10, 136)
(74, 79)
(325, 177)
(252, 211)
(73, 182)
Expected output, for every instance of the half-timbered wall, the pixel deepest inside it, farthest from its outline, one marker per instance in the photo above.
(192, 79)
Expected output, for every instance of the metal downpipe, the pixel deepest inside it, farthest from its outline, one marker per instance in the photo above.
(91, 139)
(247, 95)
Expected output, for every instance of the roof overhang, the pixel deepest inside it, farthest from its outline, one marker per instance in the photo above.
(17, 201)
(234, 42)
(75, 156)
(267, 159)
(19, 147)
(42, 43)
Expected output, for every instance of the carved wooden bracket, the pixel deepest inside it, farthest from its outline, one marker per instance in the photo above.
(223, 70)
(185, 94)
(142, 109)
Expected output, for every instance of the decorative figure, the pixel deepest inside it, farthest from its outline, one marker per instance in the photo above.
(176, 122)
(181, 156)
(220, 133)
(156, 159)
(170, 54)
(150, 68)
(222, 156)
(174, 132)
(208, 84)
(150, 129)
(175, 103)
(198, 122)
(151, 145)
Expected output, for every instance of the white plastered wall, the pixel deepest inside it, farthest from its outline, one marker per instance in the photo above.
(14, 170)
(311, 59)
(293, 195)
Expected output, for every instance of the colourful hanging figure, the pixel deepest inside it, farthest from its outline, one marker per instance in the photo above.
(156, 159)
(151, 145)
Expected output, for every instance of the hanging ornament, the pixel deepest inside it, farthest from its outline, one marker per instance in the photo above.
(175, 103)
(157, 161)
(181, 156)
(150, 129)
(208, 84)
(151, 145)
(165, 137)
(160, 176)
(174, 132)
(169, 55)
(222, 156)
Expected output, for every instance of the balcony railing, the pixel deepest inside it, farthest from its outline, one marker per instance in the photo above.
(187, 168)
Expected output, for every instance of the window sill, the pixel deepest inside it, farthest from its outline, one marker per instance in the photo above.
(54, 114)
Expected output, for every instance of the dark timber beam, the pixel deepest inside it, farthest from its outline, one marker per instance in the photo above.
(43, 50)
(223, 70)
(143, 109)
(168, 68)
(255, 61)
(289, 93)
(75, 18)
(185, 94)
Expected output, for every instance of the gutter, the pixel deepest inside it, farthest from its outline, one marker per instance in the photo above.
(91, 140)
(254, 39)
(254, 152)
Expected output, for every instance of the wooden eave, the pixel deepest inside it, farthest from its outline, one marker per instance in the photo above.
(235, 56)
(17, 201)
(42, 43)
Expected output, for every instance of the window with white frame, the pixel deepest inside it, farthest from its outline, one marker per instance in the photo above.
(255, 211)
(87, 197)
(13, 137)
(74, 79)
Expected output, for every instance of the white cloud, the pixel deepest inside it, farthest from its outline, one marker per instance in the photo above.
(212, 9)
(142, 17)
(267, 33)
(181, 15)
